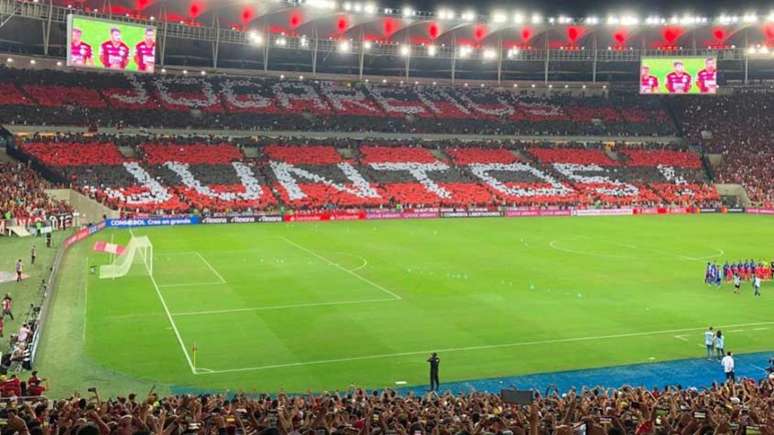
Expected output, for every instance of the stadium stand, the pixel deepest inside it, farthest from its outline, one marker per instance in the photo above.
(39, 96)
(739, 128)
(730, 408)
(212, 175)
(23, 200)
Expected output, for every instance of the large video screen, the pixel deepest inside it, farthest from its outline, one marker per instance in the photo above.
(678, 75)
(103, 44)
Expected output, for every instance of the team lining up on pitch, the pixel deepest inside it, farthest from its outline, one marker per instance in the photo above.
(748, 270)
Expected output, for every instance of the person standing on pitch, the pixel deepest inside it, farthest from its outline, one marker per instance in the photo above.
(7, 305)
(709, 341)
(33, 255)
(756, 282)
(434, 363)
(728, 367)
(719, 344)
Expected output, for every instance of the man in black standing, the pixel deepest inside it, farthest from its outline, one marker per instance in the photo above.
(434, 363)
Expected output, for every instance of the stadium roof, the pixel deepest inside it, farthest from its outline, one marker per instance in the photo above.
(337, 36)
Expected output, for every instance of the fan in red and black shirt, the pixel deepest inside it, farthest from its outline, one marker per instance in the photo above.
(648, 82)
(145, 52)
(113, 53)
(80, 52)
(678, 81)
(707, 79)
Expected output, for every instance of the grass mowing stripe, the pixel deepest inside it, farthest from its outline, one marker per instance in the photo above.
(338, 266)
(169, 316)
(282, 307)
(473, 348)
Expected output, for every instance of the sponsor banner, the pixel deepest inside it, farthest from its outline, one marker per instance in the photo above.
(335, 216)
(709, 210)
(153, 222)
(416, 214)
(651, 210)
(604, 212)
(767, 211)
(242, 219)
(536, 212)
(680, 210)
(472, 213)
(84, 233)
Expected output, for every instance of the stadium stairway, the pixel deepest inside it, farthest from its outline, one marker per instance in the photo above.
(129, 152)
(612, 154)
(88, 209)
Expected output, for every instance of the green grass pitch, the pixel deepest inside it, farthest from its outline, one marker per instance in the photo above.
(324, 306)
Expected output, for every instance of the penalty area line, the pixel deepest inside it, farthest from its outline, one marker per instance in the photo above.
(338, 266)
(220, 277)
(470, 348)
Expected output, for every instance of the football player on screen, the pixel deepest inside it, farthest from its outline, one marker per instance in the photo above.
(113, 53)
(678, 81)
(648, 82)
(145, 51)
(80, 52)
(707, 79)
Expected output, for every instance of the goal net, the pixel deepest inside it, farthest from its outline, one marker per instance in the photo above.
(138, 251)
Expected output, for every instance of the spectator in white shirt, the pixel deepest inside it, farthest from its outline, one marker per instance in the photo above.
(728, 367)
(24, 333)
(720, 344)
(709, 341)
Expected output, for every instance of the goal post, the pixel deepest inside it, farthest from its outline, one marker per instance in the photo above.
(139, 250)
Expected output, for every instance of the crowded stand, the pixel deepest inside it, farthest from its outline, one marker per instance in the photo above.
(89, 99)
(739, 128)
(731, 408)
(754, 171)
(212, 174)
(23, 200)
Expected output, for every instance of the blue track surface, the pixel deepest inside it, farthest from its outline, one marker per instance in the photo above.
(687, 373)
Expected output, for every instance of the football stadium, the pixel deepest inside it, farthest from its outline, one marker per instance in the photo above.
(351, 217)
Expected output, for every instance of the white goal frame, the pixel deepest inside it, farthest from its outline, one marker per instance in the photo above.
(139, 245)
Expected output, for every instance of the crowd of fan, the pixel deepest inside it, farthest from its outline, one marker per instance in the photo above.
(740, 128)
(732, 408)
(22, 194)
(44, 97)
(93, 168)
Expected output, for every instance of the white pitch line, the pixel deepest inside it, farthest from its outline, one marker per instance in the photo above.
(281, 307)
(473, 348)
(223, 281)
(338, 266)
(194, 284)
(681, 337)
(85, 300)
(169, 317)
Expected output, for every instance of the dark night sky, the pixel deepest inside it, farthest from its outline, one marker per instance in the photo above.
(580, 8)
